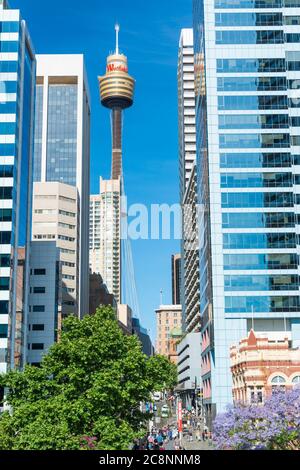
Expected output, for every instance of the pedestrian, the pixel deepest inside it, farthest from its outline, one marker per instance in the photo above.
(160, 438)
(176, 444)
(203, 436)
(136, 446)
(191, 435)
(156, 445)
(198, 435)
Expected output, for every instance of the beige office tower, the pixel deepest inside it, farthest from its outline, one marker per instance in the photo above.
(62, 147)
(105, 241)
(56, 217)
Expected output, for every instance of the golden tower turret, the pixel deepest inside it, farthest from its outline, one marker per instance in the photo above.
(116, 93)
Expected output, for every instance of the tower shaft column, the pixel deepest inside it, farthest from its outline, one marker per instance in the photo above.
(116, 118)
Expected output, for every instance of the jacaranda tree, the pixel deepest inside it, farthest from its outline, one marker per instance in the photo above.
(274, 425)
(87, 392)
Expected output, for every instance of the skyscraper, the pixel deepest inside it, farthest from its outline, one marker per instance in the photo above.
(188, 183)
(17, 79)
(186, 108)
(247, 65)
(105, 242)
(62, 143)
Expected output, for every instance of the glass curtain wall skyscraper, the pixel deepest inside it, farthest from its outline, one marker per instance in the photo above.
(62, 147)
(17, 80)
(247, 71)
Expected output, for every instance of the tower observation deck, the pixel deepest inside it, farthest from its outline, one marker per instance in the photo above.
(116, 93)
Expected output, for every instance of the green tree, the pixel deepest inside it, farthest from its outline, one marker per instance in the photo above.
(87, 392)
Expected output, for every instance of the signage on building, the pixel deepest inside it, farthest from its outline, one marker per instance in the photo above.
(116, 67)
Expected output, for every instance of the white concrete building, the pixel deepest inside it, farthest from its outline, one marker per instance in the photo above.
(62, 142)
(186, 107)
(56, 217)
(189, 367)
(105, 241)
(44, 299)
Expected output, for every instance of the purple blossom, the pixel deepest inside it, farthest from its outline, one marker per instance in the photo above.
(273, 425)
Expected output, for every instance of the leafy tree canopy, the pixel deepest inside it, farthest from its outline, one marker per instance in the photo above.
(87, 392)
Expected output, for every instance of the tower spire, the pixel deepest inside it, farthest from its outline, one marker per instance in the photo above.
(117, 29)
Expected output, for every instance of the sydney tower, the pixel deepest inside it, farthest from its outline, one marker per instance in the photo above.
(116, 92)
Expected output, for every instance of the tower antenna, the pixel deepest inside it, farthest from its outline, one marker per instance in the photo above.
(117, 29)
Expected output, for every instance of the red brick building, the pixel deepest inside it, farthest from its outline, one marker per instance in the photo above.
(260, 366)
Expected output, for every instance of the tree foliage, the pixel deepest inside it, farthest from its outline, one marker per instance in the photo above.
(275, 425)
(87, 392)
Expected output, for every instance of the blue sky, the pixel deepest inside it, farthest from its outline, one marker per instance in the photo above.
(149, 37)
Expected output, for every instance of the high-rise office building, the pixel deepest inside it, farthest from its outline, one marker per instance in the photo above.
(17, 80)
(56, 217)
(176, 279)
(247, 65)
(62, 143)
(105, 241)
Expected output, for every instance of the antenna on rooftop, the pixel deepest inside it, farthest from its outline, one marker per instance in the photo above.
(117, 29)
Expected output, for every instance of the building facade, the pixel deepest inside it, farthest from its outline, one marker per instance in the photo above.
(105, 237)
(190, 254)
(99, 294)
(168, 317)
(189, 368)
(44, 299)
(186, 108)
(17, 81)
(62, 143)
(188, 182)
(248, 144)
(176, 279)
(56, 218)
(260, 367)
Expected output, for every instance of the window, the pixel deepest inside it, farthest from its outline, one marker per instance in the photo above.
(248, 19)
(3, 331)
(255, 160)
(39, 290)
(252, 83)
(278, 384)
(262, 304)
(38, 327)
(255, 140)
(4, 261)
(39, 272)
(38, 308)
(296, 381)
(4, 283)
(3, 354)
(251, 37)
(37, 346)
